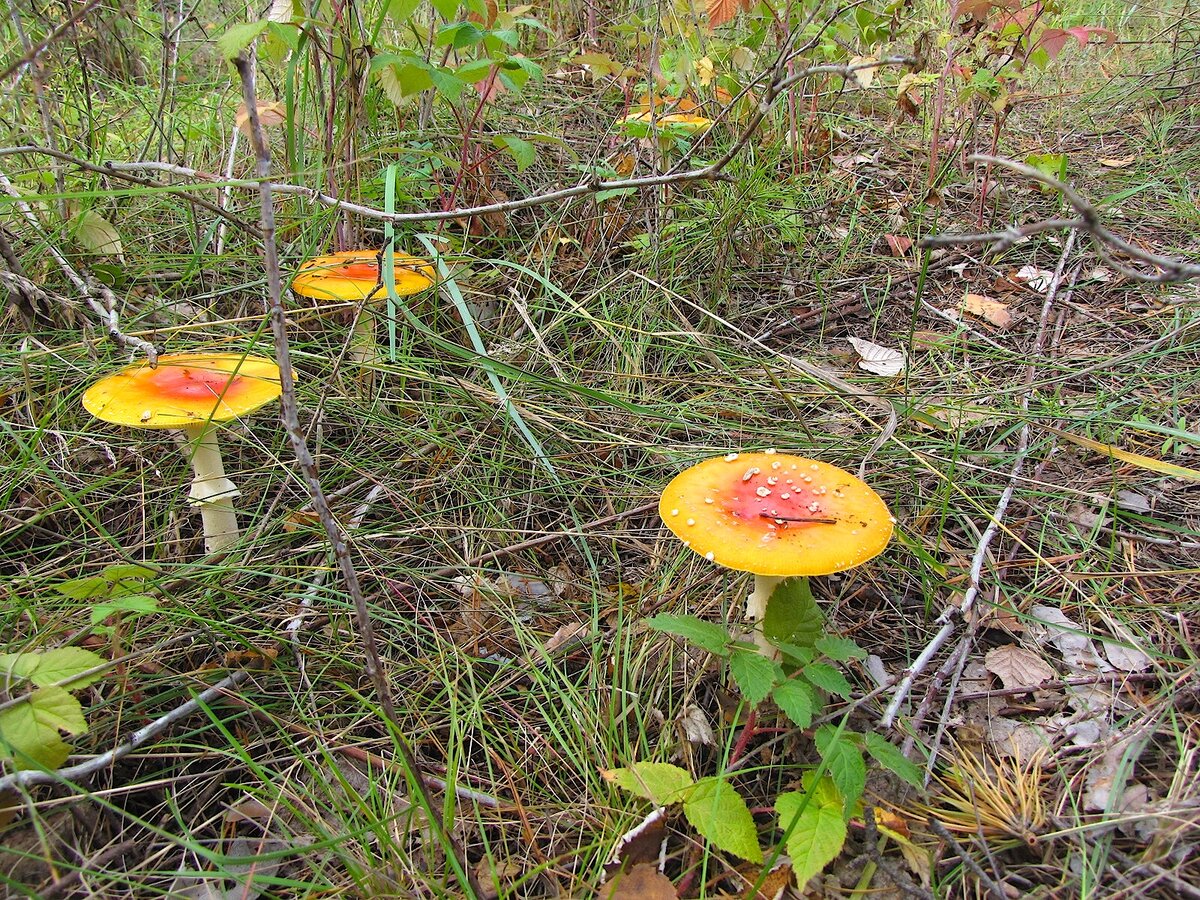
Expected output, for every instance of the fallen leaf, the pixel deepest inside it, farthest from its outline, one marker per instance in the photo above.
(642, 882)
(898, 244)
(1052, 625)
(96, 234)
(1017, 667)
(1127, 659)
(1038, 279)
(270, 113)
(1122, 163)
(774, 886)
(993, 310)
(879, 360)
(567, 633)
(645, 843)
(1100, 274)
(695, 726)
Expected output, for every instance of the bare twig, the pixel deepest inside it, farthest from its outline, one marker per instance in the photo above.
(969, 861)
(712, 171)
(32, 53)
(289, 415)
(74, 774)
(102, 301)
(1105, 241)
(952, 615)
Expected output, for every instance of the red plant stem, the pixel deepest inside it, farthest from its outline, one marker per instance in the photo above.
(748, 732)
(466, 139)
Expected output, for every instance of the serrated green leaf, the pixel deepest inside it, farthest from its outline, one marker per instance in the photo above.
(707, 635)
(890, 757)
(447, 9)
(754, 674)
(239, 37)
(845, 763)
(661, 783)
(839, 648)
(55, 708)
(827, 678)
(794, 656)
(96, 234)
(49, 667)
(720, 814)
(459, 35)
(797, 699)
(448, 85)
(818, 831)
(28, 742)
(473, 70)
(113, 581)
(793, 616)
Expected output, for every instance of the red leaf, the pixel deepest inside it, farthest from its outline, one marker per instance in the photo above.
(722, 11)
(1054, 39)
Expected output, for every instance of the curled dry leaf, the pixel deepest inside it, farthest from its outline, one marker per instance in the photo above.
(695, 726)
(1038, 279)
(985, 307)
(879, 360)
(642, 882)
(865, 76)
(1068, 638)
(1123, 163)
(1127, 659)
(270, 113)
(1017, 667)
(898, 244)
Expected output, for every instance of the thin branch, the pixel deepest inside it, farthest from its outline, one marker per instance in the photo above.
(35, 51)
(102, 301)
(952, 615)
(289, 415)
(1104, 240)
(712, 171)
(74, 774)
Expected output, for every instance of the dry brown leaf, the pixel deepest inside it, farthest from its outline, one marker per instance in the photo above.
(985, 307)
(642, 882)
(898, 244)
(774, 885)
(1122, 163)
(722, 11)
(270, 113)
(1017, 667)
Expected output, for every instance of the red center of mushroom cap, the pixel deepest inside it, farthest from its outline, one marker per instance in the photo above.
(364, 269)
(776, 514)
(191, 383)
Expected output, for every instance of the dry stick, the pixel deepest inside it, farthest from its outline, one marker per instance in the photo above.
(1104, 240)
(713, 170)
(951, 615)
(291, 421)
(109, 170)
(33, 53)
(73, 774)
(969, 861)
(102, 301)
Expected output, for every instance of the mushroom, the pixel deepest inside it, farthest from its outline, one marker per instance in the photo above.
(777, 516)
(355, 275)
(190, 392)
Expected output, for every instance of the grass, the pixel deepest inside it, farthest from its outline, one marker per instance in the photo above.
(642, 334)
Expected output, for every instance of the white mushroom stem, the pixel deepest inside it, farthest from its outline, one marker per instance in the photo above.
(211, 490)
(756, 611)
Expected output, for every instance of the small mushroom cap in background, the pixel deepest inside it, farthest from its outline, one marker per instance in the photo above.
(355, 275)
(735, 510)
(185, 389)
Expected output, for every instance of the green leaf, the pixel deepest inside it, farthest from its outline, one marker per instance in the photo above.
(720, 814)
(755, 674)
(113, 581)
(401, 10)
(473, 70)
(49, 667)
(795, 656)
(239, 37)
(827, 678)
(839, 648)
(448, 85)
(793, 616)
(132, 603)
(96, 234)
(446, 8)
(797, 699)
(29, 731)
(661, 783)
(818, 831)
(845, 763)
(459, 35)
(890, 757)
(707, 635)
(522, 151)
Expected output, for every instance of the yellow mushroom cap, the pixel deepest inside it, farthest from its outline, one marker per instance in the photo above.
(184, 389)
(755, 512)
(355, 275)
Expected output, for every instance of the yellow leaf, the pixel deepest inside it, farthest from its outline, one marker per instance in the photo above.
(1123, 163)
(704, 71)
(993, 310)
(866, 76)
(1134, 459)
(269, 113)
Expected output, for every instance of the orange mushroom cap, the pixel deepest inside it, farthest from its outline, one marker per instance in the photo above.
(184, 389)
(776, 514)
(355, 275)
